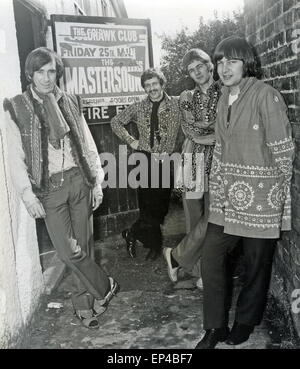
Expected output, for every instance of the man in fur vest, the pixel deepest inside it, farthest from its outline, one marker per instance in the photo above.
(57, 172)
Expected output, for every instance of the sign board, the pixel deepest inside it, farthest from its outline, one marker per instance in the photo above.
(104, 59)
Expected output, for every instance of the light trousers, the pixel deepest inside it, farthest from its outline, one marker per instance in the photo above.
(193, 211)
(189, 251)
(69, 221)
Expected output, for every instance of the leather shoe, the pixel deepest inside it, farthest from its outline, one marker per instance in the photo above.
(239, 333)
(212, 337)
(130, 243)
(100, 306)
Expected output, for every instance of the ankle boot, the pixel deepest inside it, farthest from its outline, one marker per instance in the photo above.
(239, 333)
(212, 337)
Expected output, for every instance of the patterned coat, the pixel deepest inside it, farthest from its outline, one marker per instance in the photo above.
(252, 163)
(140, 113)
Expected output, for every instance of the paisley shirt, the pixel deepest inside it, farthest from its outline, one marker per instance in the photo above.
(140, 113)
(198, 111)
(251, 171)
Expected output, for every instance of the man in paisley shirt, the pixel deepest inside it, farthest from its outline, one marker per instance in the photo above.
(198, 111)
(249, 190)
(158, 121)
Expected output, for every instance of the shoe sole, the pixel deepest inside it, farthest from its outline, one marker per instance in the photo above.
(115, 289)
(231, 342)
(174, 280)
(81, 319)
(221, 339)
(95, 314)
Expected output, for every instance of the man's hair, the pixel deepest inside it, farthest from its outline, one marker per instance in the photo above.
(37, 58)
(151, 73)
(235, 47)
(196, 54)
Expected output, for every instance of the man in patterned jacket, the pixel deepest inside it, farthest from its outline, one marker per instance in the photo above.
(249, 192)
(158, 122)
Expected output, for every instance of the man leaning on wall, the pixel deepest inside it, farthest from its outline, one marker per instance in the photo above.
(56, 170)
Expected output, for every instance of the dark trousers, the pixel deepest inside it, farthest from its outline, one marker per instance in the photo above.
(154, 206)
(258, 255)
(69, 221)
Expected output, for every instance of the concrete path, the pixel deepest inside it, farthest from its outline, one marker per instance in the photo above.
(149, 312)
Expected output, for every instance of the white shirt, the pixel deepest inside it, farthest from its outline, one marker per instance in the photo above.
(232, 98)
(55, 156)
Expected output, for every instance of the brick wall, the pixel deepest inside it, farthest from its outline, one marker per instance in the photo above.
(273, 26)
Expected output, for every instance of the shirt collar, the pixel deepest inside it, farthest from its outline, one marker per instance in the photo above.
(58, 94)
(245, 83)
(198, 88)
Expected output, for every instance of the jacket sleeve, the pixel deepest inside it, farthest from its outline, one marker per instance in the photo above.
(278, 131)
(122, 119)
(192, 129)
(279, 140)
(16, 158)
(92, 152)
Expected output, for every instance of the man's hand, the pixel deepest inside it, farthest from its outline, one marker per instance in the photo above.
(205, 140)
(33, 204)
(189, 119)
(134, 144)
(97, 197)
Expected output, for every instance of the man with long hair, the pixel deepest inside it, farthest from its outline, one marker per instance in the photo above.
(249, 192)
(56, 170)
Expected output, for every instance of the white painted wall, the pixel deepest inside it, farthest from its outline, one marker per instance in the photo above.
(21, 281)
(91, 7)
